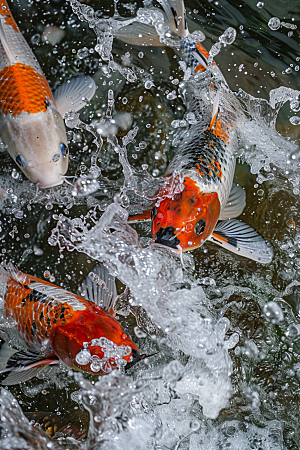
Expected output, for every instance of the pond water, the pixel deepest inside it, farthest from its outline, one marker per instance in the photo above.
(225, 330)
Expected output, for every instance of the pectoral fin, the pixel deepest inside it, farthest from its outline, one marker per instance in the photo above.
(24, 365)
(240, 238)
(145, 216)
(100, 288)
(74, 94)
(235, 204)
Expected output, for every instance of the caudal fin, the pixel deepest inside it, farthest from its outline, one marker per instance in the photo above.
(138, 33)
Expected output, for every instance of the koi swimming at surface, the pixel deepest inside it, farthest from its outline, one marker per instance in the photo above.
(31, 118)
(207, 203)
(53, 325)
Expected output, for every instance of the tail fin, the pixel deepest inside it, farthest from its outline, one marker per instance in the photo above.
(175, 15)
(138, 33)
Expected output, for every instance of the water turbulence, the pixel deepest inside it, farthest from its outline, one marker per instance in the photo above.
(218, 334)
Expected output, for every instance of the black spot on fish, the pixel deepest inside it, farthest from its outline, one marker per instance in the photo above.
(62, 316)
(33, 328)
(41, 316)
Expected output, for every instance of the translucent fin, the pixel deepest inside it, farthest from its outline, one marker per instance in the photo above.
(145, 216)
(16, 377)
(139, 34)
(5, 353)
(240, 238)
(215, 110)
(74, 94)
(17, 275)
(24, 365)
(175, 14)
(102, 291)
(235, 204)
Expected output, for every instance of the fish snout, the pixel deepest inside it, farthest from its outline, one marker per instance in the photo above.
(135, 358)
(167, 237)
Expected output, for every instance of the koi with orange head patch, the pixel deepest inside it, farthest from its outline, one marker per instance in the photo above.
(186, 220)
(31, 123)
(56, 325)
(204, 163)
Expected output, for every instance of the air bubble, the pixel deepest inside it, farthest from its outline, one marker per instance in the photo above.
(273, 313)
(260, 4)
(83, 357)
(139, 333)
(274, 23)
(295, 120)
(194, 425)
(149, 84)
(96, 364)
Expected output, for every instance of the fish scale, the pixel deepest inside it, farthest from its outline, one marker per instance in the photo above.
(28, 305)
(23, 89)
(54, 325)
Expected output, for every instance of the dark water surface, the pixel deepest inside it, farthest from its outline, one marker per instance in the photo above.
(265, 390)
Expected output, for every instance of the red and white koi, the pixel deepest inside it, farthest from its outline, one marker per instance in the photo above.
(31, 123)
(55, 325)
(204, 162)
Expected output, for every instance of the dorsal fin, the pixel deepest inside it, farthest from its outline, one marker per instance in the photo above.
(17, 275)
(100, 288)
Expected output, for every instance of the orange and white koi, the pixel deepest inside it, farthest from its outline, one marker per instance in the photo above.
(31, 123)
(55, 325)
(205, 158)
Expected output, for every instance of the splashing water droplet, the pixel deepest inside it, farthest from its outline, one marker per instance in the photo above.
(139, 333)
(273, 313)
(293, 331)
(274, 23)
(72, 119)
(96, 364)
(295, 120)
(83, 357)
(228, 37)
(85, 186)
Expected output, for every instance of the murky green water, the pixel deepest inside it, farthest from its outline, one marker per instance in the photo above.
(265, 387)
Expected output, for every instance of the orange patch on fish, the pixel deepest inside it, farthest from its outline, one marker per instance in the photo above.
(203, 51)
(200, 68)
(23, 89)
(5, 12)
(220, 132)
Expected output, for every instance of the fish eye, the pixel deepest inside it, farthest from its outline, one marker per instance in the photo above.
(200, 227)
(126, 332)
(20, 160)
(153, 213)
(64, 150)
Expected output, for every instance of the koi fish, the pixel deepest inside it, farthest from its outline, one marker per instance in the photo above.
(31, 118)
(54, 325)
(207, 203)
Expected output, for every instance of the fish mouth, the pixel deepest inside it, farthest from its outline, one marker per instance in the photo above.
(136, 357)
(46, 186)
(167, 238)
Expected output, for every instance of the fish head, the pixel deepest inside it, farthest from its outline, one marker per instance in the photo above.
(187, 219)
(95, 342)
(38, 144)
